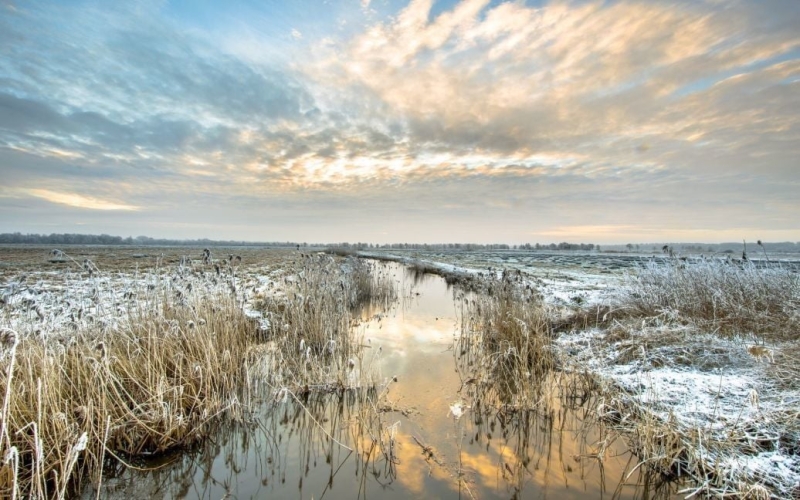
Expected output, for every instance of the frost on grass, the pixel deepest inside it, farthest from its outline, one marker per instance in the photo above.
(142, 362)
(312, 322)
(734, 425)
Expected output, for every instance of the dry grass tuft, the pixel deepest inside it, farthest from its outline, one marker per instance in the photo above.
(737, 461)
(784, 368)
(719, 296)
(147, 387)
(506, 341)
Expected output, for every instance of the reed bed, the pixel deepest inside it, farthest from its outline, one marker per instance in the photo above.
(721, 296)
(742, 459)
(141, 389)
(699, 366)
(506, 341)
(515, 387)
(100, 369)
(312, 326)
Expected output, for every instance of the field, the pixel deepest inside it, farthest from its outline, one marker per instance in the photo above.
(113, 355)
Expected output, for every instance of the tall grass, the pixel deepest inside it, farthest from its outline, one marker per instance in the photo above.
(724, 297)
(506, 342)
(692, 316)
(150, 386)
(312, 327)
(110, 369)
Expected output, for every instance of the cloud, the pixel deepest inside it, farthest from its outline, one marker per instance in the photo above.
(628, 113)
(575, 76)
(78, 201)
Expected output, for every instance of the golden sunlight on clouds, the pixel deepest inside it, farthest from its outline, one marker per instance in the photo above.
(562, 89)
(669, 231)
(517, 55)
(310, 170)
(78, 201)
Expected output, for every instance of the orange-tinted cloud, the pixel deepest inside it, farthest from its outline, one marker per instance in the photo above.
(78, 200)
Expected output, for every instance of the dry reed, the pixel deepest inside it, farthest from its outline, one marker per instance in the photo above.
(702, 317)
(147, 387)
(506, 342)
(115, 368)
(312, 325)
(721, 296)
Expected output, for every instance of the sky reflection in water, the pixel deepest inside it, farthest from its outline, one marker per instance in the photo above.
(284, 453)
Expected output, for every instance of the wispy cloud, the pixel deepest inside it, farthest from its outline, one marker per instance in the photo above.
(78, 201)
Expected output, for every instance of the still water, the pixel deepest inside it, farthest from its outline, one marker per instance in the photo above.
(325, 447)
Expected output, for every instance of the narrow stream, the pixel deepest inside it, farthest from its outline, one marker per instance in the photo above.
(318, 450)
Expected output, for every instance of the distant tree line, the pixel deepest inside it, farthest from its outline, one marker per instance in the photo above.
(469, 246)
(105, 239)
(709, 248)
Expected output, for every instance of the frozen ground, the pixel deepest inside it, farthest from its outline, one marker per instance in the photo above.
(53, 301)
(724, 396)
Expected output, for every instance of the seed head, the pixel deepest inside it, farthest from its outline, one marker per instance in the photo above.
(9, 339)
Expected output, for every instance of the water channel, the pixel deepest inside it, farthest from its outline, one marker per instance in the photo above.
(321, 449)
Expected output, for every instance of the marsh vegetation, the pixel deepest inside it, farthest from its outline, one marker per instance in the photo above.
(104, 368)
(668, 369)
(698, 362)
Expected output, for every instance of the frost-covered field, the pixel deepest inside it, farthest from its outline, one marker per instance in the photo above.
(52, 293)
(715, 392)
(119, 353)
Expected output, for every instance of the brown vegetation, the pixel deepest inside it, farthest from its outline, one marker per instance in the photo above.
(151, 386)
(697, 317)
(312, 325)
(719, 296)
(152, 369)
(506, 341)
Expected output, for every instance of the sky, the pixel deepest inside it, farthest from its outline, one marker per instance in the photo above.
(392, 121)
